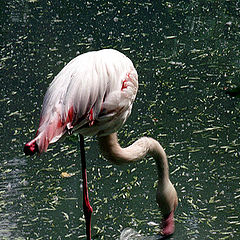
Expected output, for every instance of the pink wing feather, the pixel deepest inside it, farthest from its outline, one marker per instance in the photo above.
(92, 94)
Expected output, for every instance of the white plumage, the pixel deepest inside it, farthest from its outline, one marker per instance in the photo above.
(93, 94)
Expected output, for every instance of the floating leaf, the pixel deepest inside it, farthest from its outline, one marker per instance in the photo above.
(212, 200)
(66, 175)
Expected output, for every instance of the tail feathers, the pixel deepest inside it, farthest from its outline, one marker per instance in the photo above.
(50, 134)
(41, 142)
(46, 134)
(37, 145)
(31, 147)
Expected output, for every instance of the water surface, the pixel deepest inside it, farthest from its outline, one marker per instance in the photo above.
(186, 54)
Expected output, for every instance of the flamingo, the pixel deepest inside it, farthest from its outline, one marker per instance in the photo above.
(93, 95)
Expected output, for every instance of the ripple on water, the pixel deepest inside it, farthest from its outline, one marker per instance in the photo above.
(12, 184)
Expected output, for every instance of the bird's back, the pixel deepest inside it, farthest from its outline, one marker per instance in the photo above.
(92, 94)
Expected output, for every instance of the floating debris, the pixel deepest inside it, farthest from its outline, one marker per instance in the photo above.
(131, 234)
(170, 37)
(66, 175)
(207, 129)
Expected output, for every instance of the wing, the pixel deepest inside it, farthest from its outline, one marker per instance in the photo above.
(93, 94)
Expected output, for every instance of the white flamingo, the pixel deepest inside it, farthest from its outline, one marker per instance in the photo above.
(93, 95)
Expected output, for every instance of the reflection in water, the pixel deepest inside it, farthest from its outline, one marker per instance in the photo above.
(131, 234)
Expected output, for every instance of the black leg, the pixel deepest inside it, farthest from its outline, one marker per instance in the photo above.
(87, 209)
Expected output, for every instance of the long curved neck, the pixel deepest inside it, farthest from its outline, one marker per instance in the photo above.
(112, 151)
(166, 195)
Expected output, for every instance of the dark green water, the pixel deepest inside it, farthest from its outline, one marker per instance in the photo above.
(186, 53)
